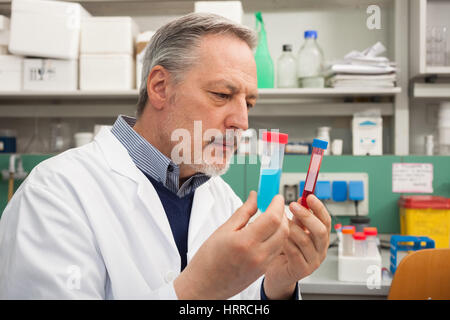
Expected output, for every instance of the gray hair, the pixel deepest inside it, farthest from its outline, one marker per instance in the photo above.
(172, 46)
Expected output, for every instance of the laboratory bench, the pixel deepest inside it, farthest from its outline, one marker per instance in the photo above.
(324, 283)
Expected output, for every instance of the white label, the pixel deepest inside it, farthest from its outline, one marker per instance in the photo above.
(412, 177)
(313, 171)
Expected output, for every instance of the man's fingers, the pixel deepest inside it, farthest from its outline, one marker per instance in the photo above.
(269, 221)
(241, 217)
(304, 243)
(317, 229)
(319, 210)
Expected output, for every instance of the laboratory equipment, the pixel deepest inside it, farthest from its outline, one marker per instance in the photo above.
(108, 35)
(271, 166)
(142, 42)
(298, 148)
(348, 247)
(338, 230)
(10, 73)
(444, 128)
(407, 243)
(47, 29)
(367, 135)
(310, 62)
(359, 240)
(336, 147)
(8, 141)
(82, 138)
(323, 133)
(264, 63)
(107, 72)
(13, 173)
(429, 145)
(287, 69)
(50, 74)
(371, 239)
(313, 171)
(60, 136)
(357, 266)
(426, 216)
(36, 144)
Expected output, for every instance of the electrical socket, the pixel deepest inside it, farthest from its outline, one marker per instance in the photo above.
(345, 208)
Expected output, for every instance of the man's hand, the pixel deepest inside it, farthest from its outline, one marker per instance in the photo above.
(303, 251)
(236, 254)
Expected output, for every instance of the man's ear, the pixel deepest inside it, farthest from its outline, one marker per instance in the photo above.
(157, 87)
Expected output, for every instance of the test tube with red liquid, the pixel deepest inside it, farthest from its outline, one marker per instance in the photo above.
(318, 148)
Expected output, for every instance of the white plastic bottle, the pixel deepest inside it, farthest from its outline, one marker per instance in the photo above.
(323, 133)
(310, 63)
(287, 68)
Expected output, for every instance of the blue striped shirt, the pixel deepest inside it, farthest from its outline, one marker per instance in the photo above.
(151, 161)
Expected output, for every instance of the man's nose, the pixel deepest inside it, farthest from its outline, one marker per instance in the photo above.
(239, 115)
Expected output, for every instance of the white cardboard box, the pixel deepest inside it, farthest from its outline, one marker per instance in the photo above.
(106, 72)
(141, 45)
(48, 29)
(367, 136)
(228, 9)
(4, 30)
(10, 73)
(359, 269)
(50, 75)
(108, 35)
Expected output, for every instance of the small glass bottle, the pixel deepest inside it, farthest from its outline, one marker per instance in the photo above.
(347, 240)
(371, 238)
(359, 239)
(287, 68)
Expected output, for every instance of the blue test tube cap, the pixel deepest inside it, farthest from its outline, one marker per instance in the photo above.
(322, 144)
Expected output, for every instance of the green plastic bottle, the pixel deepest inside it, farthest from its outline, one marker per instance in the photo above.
(264, 63)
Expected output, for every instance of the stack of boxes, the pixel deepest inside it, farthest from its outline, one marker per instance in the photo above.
(107, 53)
(49, 32)
(10, 66)
(58, 46)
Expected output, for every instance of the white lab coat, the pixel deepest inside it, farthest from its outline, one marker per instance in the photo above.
(88, 224)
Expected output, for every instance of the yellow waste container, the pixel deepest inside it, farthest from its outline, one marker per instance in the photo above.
(426, 216)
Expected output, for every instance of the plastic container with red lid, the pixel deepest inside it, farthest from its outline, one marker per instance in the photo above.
(360, 244)
(426, 215)
(370, 231)
(424, 202)
(271, 166)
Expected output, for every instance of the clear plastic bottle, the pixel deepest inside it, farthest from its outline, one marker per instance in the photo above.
(348, 247)
(287, 68)
(310, 62)
(371, 238)
(359, 239)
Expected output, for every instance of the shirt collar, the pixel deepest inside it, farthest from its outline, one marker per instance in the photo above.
(150, 160)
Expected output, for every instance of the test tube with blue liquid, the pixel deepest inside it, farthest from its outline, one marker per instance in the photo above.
(271, 166)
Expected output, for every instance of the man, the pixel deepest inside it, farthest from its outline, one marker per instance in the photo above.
(120, 219)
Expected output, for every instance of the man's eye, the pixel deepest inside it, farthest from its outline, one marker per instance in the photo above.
(249, 105)
(221, 95)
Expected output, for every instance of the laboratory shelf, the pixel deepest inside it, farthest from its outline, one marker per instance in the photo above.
(263, 93)
(438, 70)
(326, 92)
(271, 102)
(431, 90)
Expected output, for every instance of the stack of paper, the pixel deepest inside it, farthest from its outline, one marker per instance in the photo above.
(362, 69)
